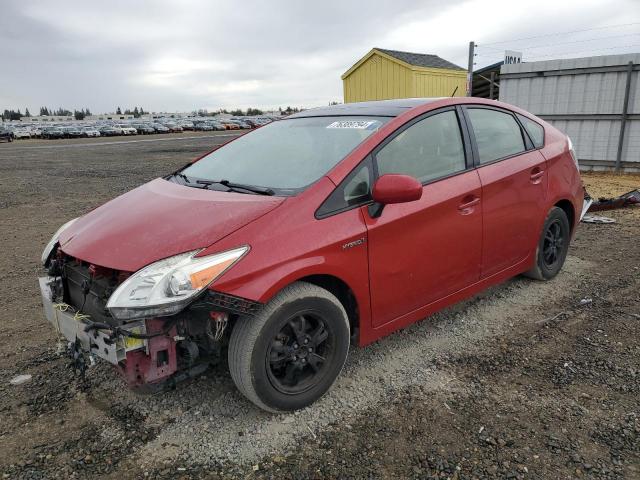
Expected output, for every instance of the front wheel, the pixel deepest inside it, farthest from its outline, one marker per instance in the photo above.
(289, 355)
(552, 247)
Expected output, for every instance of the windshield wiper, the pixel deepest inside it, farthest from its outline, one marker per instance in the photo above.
(182, 176)
(239, 187)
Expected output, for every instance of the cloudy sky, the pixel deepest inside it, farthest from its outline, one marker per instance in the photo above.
(182, 55)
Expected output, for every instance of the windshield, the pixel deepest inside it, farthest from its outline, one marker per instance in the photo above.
(286, 156)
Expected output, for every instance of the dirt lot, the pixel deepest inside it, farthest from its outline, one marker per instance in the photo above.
(528, 380)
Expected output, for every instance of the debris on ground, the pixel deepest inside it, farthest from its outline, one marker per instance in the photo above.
(625, 200)
(20, 379)
(597, 219)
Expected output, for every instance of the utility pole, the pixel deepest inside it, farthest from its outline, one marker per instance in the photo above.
(492, 82)
(623, 117)
(472, 47)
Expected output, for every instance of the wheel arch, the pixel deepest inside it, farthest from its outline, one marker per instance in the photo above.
(568, 208)
(345, 296)
(355, 306)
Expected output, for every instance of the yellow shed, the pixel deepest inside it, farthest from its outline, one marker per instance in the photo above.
(383, 74)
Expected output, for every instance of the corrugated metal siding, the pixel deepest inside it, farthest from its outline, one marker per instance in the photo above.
(632, 141)
(555, 87)
(592, 139)
(590, 93)
(379, 78)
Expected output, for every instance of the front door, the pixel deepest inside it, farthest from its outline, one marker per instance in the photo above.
(425, 250)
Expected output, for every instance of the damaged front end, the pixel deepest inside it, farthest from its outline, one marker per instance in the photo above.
(151, 352)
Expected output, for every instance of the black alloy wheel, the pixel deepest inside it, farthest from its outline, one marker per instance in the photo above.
(552, 247)
(289, 354)
(299, 353)
(553, 244)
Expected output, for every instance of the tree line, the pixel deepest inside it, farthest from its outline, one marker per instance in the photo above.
(249, 112)
(45, 111)
(137, 112)
(10, 114)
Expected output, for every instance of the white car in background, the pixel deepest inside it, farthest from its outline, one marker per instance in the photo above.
(90, 132)
(127, 129)
(21, 133)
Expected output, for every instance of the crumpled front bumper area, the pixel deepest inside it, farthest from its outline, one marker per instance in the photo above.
(81, 330)
(140, 361)
(152, 353)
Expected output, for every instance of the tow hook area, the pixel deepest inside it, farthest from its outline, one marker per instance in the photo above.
(157, 363)
(78, 358)
(174, 353)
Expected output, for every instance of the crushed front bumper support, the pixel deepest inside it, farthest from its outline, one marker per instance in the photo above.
(74, 329)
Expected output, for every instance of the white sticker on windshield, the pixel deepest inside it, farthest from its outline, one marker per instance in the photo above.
(358, 124)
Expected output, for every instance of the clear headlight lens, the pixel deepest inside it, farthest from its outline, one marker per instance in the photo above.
(52, 243)
(167, 286)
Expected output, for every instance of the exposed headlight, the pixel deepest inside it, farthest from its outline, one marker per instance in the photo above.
(52, 243)
(167, 286)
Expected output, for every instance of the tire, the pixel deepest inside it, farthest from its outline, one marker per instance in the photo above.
(553, 246)
(268, 365)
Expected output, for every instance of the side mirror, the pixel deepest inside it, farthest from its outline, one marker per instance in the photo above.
(395, 188)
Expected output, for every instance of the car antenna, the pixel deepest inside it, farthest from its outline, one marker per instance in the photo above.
(454, 91)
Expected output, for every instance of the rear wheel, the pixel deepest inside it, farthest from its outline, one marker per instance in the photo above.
(552, 247)
(290, 354)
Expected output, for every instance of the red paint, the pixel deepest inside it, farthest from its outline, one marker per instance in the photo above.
(461, 235)
(393, 188)
(514, 208)
(141, 368)
(158, 220)
(422, 251)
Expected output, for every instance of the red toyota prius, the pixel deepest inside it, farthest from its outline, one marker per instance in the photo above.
(335, 226)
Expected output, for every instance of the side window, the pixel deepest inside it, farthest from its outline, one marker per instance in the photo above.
(357, 188)
(535, 131)
(354, 190)
(429, 149)
(497, 134)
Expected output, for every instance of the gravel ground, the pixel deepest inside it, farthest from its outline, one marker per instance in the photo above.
(527, 380)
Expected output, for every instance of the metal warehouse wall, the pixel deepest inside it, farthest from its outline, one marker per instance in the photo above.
(585, 98)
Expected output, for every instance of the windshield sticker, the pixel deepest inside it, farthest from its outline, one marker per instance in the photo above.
(357, 124)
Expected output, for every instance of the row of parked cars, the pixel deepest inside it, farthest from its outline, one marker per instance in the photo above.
(110, 129)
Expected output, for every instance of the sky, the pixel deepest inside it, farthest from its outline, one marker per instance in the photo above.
(182, 55)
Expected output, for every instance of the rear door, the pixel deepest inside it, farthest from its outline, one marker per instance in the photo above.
(514, 187)
(425, 250)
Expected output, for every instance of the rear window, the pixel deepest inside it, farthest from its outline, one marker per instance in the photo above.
(534, 129)
(497, 134)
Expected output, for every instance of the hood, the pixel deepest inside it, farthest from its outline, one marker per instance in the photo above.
(158, 220)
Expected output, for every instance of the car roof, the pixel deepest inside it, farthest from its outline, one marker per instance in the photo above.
(380, 108)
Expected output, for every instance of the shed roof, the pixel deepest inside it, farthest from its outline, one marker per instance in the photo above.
(407, 59)
(421, 59)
